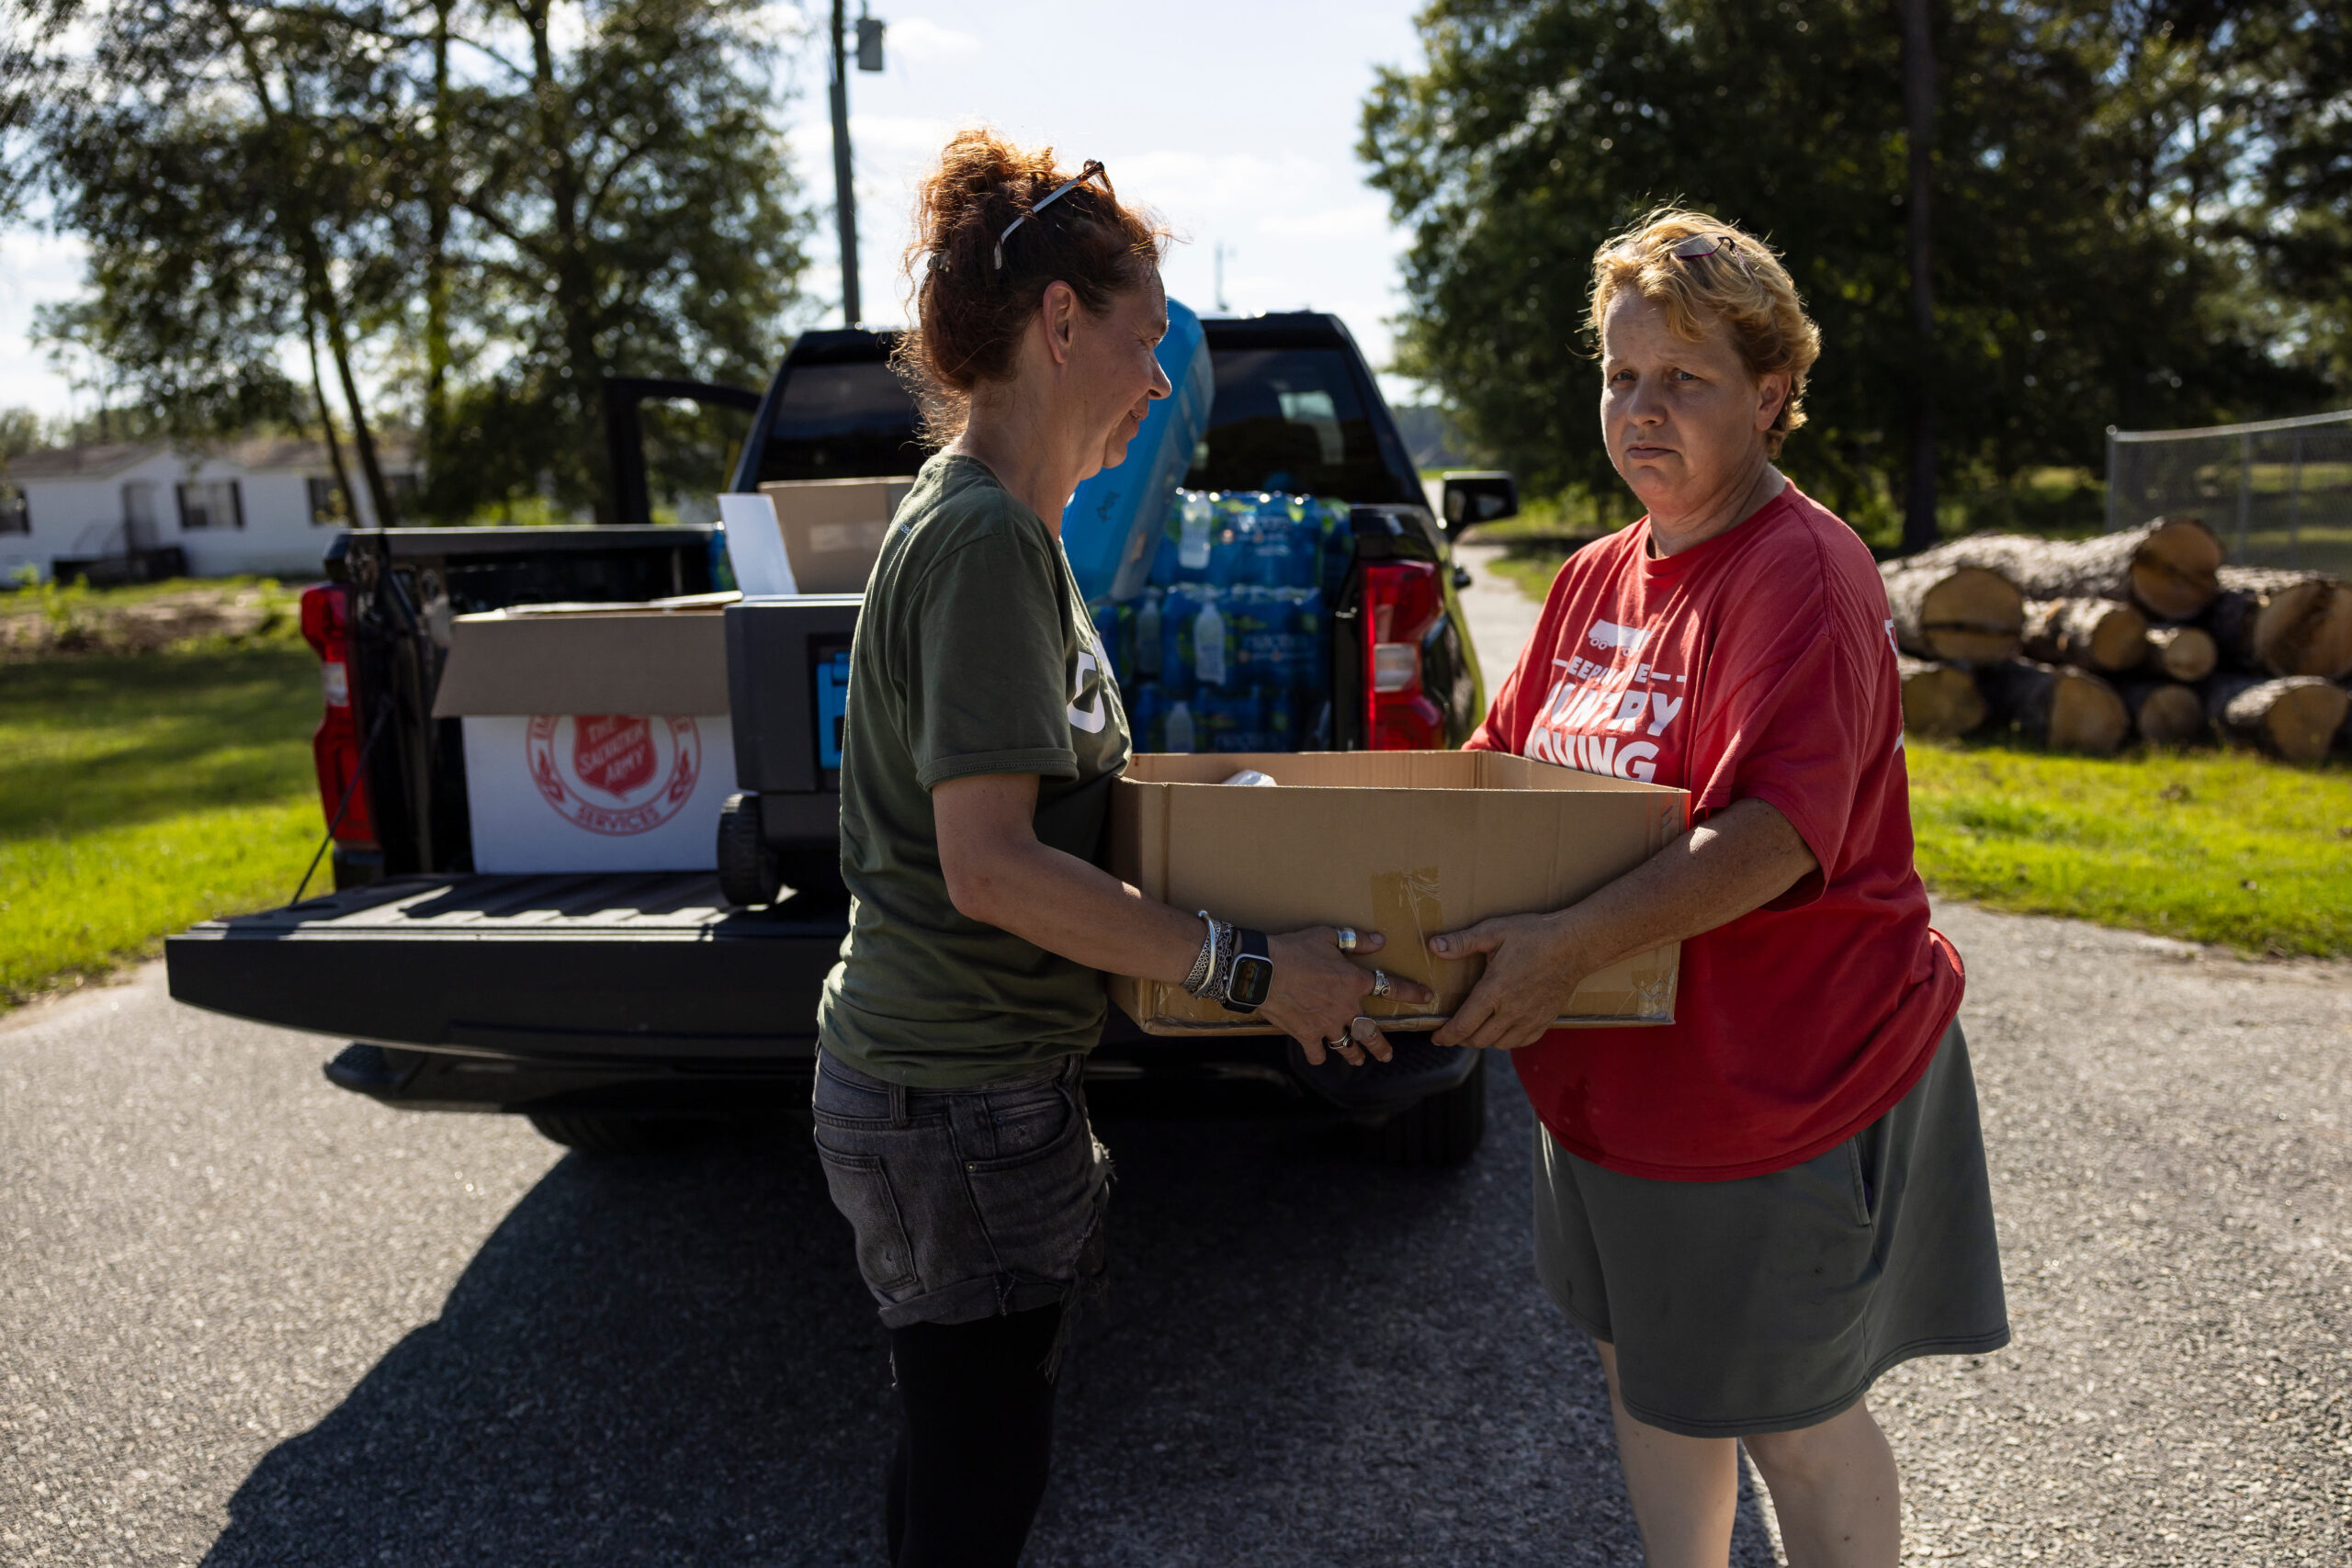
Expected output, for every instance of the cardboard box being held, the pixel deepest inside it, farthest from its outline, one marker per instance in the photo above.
(1406, 843)
(596, 736)
(833, 528)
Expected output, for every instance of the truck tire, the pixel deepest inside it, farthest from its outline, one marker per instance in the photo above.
(594, 1133)
(1443, 1130)
(748, 874)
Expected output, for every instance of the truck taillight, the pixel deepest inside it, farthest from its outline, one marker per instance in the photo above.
(337, 747)
(1401, 606)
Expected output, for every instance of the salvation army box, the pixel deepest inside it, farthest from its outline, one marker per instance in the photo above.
(596, 736)
(1406, 843)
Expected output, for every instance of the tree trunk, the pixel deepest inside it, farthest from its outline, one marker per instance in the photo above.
(2181, 653)
(2066, 710)
(1939, 699)
(326, 426)
(1919, 123)
(2090, 634)
(295, 215)
(1945, 612)
(2283, 623)
(2163, 713)
(440, 199)
(2167, 567)
(2294, 717)
(577, 297)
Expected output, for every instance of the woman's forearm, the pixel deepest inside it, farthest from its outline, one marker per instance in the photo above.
(1740, 859)
(1081, 911)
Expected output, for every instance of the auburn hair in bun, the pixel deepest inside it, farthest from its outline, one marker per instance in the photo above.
(969, 312)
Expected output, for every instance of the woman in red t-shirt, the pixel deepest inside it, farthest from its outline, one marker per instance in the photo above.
(1759, 1208)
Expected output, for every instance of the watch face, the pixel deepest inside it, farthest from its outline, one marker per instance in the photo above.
(1252, 978)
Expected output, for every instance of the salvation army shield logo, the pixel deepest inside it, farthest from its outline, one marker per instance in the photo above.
(614, 774)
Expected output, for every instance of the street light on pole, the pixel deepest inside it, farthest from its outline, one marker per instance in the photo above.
(869, 58)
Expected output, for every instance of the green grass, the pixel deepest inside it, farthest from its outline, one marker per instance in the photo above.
(139, 794)
(2220, 847)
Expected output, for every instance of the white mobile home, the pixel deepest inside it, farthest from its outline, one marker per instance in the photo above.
(267, 506)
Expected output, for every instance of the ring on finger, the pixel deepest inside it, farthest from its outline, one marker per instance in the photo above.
(1380, 982)
(1348, 939)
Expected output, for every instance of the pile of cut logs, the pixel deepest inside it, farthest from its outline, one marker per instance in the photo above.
(2081, 644)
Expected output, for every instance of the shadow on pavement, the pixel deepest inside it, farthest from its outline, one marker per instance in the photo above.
(1304, 1360)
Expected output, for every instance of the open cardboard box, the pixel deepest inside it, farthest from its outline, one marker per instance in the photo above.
(596, 736)
(1407, 843)
(834, 529)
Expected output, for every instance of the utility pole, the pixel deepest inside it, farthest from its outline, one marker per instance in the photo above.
(1222, 308)
(869, 58)
(1919, 122)
(844, 198)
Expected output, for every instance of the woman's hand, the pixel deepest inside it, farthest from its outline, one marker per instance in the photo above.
(1318, 996)
(1533, 968)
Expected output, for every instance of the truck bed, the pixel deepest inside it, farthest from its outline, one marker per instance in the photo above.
(601, 967)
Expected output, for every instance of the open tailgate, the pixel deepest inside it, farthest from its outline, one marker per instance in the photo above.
(601, 967)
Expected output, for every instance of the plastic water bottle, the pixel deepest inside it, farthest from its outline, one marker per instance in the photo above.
(1209, 644)
(1196, 526)
(1148, 635)
(1179, 727)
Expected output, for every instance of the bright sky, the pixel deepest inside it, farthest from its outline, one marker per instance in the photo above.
(1236, 122)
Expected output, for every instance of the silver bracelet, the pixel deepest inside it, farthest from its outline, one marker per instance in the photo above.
(1200, 971)
(1219, 948)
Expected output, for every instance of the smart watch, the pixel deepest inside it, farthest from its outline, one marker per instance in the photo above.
(1252, 978)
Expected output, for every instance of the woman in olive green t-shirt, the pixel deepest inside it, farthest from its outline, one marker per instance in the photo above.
(982, 739)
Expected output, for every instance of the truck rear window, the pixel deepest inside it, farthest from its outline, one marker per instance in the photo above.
(843, 422)
(1289, 419)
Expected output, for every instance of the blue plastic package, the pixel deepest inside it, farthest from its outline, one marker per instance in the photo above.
(1113, 523)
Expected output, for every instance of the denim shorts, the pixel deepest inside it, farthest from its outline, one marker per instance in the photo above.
(966, 1202)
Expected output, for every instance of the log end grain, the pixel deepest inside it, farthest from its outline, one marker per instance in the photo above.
(2087, 715)
(2306, 629)
(2165, 712)
(2181, 653)
(2293, 717)
(1971, 614)
(2176, 570)
(1937, 699)
(2094, 634)
(2053, 706)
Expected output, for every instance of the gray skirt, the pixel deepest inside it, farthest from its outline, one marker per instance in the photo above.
(1773, 1301)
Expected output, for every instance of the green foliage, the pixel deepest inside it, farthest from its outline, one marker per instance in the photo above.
(488, 206)
(2081, 277)
(140, 794)
(2222, 847)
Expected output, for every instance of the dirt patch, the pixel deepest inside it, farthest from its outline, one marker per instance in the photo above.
(55, 623)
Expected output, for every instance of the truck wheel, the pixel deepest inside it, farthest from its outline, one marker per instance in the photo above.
(1445, 1129)
(595, 1134)
(747, 873)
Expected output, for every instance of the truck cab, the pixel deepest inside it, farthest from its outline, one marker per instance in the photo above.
(619, 1011)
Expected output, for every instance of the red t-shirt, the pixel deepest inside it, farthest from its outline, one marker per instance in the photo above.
(1760, 663)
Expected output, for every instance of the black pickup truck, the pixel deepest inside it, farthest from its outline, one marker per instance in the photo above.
(619, 1011)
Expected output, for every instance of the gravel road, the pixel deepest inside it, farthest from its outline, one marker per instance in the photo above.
(247, 1319)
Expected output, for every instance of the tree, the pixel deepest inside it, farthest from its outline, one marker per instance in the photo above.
(481, 206)
(2065, 292)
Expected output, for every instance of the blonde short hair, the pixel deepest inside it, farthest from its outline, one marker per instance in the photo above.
(1743, 286)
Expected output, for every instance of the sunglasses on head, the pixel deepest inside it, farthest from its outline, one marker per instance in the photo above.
(1092, 169)
(1691, 249)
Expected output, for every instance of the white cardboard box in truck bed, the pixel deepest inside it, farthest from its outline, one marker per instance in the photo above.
(596, 736)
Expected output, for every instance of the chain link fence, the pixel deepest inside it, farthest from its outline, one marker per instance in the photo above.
(2279, 492)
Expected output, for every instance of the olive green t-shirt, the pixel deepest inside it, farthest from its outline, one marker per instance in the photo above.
(974, 654)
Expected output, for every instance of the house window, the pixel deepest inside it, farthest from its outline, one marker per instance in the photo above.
(16, 517)
(326, 503)
(213, 503)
